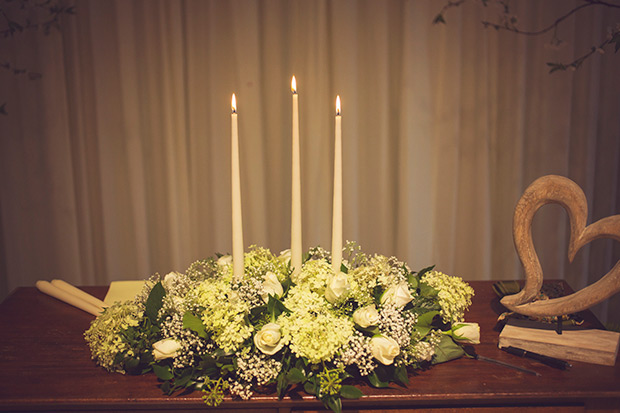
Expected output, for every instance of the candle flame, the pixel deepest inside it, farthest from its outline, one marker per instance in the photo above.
(233, 104)
(338, 105)
(293, 85)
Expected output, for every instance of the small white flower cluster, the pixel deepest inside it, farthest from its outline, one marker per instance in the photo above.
(249, 291)
(253, 370)
(191, 344)
(397, 324)
(243, 390)
(357, 352)
(257, 368)
(319, 253)
(422, 350)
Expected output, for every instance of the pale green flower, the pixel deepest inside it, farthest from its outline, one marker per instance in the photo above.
(259, 261)
(224, 314)
(313, 329)
(314, 275)
(104, 338)
(454, 295)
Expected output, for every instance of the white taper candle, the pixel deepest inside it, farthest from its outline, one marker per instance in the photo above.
(337, 203)
(237, 222)
(296, 244)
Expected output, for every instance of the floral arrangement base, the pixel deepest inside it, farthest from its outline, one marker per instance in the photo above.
(208, 330)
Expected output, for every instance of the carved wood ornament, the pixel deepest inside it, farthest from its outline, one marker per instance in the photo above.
(563, 191)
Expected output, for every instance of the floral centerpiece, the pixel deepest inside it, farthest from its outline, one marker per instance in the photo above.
(273, 329)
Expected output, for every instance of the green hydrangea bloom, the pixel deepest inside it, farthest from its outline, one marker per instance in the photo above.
(312, 329)
(104, 338)
(224, 314)
(454, 295)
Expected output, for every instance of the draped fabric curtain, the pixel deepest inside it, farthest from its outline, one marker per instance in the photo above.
(116, 163)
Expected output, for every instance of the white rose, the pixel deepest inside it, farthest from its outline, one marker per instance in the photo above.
(366, 316)
(268, 339)
(384, 349)
(271, 286)
(170, 279)
(285, 256)
(468, 333)
(337, 287)
(165, 348)
(397, 295)
(225, 260)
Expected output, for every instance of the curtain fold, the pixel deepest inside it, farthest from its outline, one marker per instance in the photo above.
(116, 163)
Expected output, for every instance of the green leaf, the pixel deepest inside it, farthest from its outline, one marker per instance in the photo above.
(162, 372)
(333, 403)
(427, 291)
(165, 388)
(370, 331)
(281, 384)
(447, 350)
(425, 270)
(420, 332)
(401, 376)
(426, 319)
(275, 307)
(183, 381)
(413, 281)
(344, 269)
(295, 376)
(350, 392)
(374, 380)
(194, 323)
(154, 302)
(310, 388)
(377, 292)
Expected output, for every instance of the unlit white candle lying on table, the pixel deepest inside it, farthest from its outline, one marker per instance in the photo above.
(63, 285)
(62, 295)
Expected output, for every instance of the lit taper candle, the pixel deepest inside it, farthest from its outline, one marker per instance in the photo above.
(337, 205)
(237, 224)
(296, 247)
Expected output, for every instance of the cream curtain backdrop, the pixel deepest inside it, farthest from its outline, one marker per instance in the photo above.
(115, 165)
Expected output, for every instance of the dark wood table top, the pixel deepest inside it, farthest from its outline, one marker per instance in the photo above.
(45, 364)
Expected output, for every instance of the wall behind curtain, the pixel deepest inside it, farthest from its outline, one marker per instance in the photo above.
(115, 165)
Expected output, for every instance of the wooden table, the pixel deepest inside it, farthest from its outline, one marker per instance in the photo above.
(45, 365)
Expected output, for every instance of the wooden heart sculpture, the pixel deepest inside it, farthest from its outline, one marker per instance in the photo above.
(563, 191)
